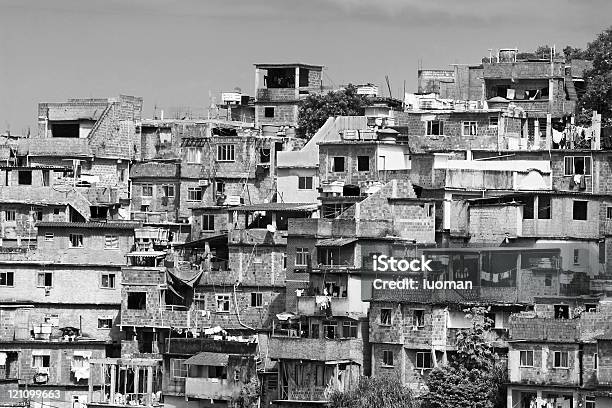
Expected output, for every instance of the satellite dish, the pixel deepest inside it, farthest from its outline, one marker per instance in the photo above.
(271, 228)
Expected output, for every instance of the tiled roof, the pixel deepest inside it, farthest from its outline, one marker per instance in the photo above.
(209, 359)
(99, 225)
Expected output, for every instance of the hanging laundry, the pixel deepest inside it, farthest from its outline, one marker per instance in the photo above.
(583, 183)
(557, 136)
(323, 302)
(485, 276)
(495, 277)
(2, 359)
(577, 178)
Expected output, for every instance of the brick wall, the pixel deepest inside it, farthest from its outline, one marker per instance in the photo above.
(489, 224)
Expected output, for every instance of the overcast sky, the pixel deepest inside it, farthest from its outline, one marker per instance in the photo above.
(174, 52)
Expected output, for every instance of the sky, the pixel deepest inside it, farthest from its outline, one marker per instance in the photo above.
(176, 53)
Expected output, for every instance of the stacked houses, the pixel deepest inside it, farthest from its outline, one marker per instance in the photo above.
(189, 263)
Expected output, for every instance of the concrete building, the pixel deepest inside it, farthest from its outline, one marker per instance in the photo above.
(279, 88)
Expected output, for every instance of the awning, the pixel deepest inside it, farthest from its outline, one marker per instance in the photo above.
(209, 359)
(147, 253)
(329, 242)
(283, 317)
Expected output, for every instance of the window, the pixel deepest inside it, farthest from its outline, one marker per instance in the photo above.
(544, 212)
(24, 177)
(256, 299)
(595, 361)
(469, 128)
(301, 256)
(577, 165)
(107, 280)
(580, 210)
(561, 359)
(37, 215)
(589, 402)
(329, 329)
(388, 357)
(576, 257)
(385, 317)
(147, 190)
(76, 241)
(178, 368)
(269, 112)
(423, 360)
(194, 194)
(561, 311)
(337, 164)
(418, 318)
(284, 260)
(225, 152)
(493, 121)
(528, 208)
(56, 211)
(223, 303)
(609, 213)
(349, 329)
(305, 183)
(6, 278)
(526, 358)
(363, 163)
(168, 190)
(41, 360)
(49, 236)
(46, 177)
(105, 323)
(194, 155)
(10, 215)
(220, 187)
(111, 242)
(217, 372)
(314, 331)
(548, 280)
(208, 222)
(45, 279)
(435, 128)
(137, 300)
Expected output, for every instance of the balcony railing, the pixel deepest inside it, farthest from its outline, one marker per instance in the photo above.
(211, 388)
(296, 348)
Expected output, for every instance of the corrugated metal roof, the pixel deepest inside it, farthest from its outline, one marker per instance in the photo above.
(335, 241)
(206, 358)
(99, 225)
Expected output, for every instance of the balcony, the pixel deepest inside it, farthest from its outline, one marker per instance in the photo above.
(257, 236)
(211, 388)
(296, 348)
(340, 306)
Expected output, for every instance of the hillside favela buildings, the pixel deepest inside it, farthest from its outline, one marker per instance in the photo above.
(190, 262)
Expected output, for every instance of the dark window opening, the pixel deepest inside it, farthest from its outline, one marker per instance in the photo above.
(314, 331)
(264, 155)
(208, 222)
(544, 212)
(46, 180)
(561, 312)
(387, 357)
(305, 183)
(351, 191)
(137, 300)
(580, 210)
(304, 77)
(385, 317)
(548, 280)
(25, 177)
(418, 318)
(349, 329)
(528, 209)
(145, 345)
(338, 164)
(98, 212)
(280, 78)
(363, 163)
(65, 130)
(435, 128)
(268, 112)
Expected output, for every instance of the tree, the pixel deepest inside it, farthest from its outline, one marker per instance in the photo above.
(316, 109)
(598, 93)
(379, 392)
(475, 376)
(249, 394)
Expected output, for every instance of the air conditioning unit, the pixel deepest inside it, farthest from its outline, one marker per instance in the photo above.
(203, 183)
(42, 370)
